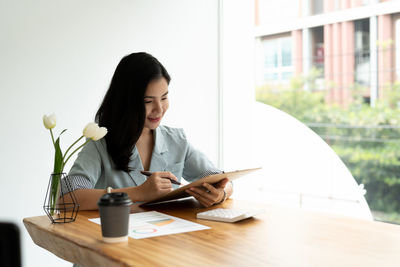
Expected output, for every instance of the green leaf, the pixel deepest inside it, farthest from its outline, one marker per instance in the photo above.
(62, 132)
(58, 166)
(58, 157)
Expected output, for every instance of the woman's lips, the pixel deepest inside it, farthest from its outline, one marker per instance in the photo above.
(154, 119)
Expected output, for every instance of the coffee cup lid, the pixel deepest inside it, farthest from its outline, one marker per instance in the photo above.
(114, 199)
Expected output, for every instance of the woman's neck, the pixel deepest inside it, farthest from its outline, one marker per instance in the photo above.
(146, 134)
(145, 146)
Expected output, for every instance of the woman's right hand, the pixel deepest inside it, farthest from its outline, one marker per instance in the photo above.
(156, 185)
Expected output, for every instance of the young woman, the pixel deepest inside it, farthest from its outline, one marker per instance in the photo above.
(132, 110)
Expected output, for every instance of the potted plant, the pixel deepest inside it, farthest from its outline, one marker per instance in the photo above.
(60, 202)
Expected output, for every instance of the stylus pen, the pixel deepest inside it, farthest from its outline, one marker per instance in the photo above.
(172, 180)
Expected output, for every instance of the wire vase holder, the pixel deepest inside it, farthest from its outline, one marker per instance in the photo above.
(60, 203)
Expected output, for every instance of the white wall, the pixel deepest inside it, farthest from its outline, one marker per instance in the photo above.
(58, 56)
(237, 56)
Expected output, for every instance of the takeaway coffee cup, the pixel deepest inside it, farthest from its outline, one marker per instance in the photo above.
(114, 216)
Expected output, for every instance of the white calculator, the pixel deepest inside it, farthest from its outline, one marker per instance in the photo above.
(227, 215)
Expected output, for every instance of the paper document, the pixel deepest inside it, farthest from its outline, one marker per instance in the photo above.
(153, 223)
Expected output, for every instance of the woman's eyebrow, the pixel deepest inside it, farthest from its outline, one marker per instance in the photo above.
(156, 96)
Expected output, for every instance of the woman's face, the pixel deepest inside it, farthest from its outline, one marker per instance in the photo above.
(156, 102)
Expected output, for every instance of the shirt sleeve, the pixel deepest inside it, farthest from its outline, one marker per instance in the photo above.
(197, 165)
(85, 171)
(73, 182)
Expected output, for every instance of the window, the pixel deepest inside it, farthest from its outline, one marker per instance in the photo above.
(362, 53)
(317, 7)
(366, 137)
(277, 63)
(338, 4)
(318, 47)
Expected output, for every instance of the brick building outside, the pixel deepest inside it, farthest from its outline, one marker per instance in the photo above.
(352, 43)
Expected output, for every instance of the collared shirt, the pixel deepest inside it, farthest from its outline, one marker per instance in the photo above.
(94, 168)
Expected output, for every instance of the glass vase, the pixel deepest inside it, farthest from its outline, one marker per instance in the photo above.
(60, 203)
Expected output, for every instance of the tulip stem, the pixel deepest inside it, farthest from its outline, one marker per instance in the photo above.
(52, 138)
(66, 152)
(65, 162)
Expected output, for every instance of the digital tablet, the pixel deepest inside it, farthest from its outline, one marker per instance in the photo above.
(211, 179)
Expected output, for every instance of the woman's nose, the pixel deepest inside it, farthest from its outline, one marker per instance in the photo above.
(157, 106)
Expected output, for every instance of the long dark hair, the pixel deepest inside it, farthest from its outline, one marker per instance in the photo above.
(122, 111)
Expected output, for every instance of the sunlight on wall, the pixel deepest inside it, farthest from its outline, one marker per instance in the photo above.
(299, 169)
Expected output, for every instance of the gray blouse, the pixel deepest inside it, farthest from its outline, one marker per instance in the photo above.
(94, 168)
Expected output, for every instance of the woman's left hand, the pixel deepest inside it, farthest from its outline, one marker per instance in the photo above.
(209, 195)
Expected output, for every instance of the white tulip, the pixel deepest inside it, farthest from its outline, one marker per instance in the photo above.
(49, 121)
(101, 132)
(94, 132)
(90, 130)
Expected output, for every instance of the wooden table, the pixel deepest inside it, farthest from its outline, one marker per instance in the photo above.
(279, 237)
